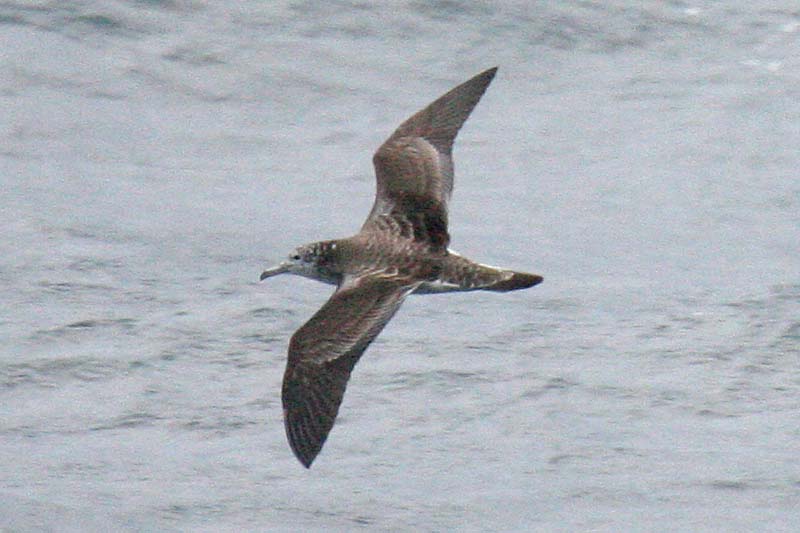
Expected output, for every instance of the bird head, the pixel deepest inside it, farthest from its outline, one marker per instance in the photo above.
(302, 261)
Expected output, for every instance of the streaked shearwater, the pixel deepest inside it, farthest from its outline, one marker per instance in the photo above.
(402, 248)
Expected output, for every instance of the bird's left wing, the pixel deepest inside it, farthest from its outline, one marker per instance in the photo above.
(323, 352)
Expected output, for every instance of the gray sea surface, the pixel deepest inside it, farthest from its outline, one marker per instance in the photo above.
(156, 155)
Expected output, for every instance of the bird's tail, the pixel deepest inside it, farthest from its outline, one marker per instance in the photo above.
(462, 274)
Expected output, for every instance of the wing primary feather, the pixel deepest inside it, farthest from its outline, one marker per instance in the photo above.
(441, 120)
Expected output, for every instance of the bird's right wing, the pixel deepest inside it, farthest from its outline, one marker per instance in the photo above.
(414, 167)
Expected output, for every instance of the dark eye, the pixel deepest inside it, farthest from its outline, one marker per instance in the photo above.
(296, 257)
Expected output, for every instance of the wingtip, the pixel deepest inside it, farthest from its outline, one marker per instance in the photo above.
(303, 435)
(304, 456)
(485, 77)
(489, 74)
(301, 449)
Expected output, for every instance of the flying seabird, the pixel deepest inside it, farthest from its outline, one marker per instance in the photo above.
(402, 248)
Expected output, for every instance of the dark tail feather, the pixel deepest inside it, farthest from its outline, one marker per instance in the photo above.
(518, 280)
(462, 274)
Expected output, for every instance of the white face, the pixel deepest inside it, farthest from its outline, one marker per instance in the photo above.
(305, 261)
(302, 260)
(302, 254)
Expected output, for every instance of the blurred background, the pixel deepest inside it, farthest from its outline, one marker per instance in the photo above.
(155, 156)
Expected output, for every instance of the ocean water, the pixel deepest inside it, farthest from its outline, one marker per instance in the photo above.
(155, 156)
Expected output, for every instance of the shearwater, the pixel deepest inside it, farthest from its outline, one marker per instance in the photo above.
(402, 248)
